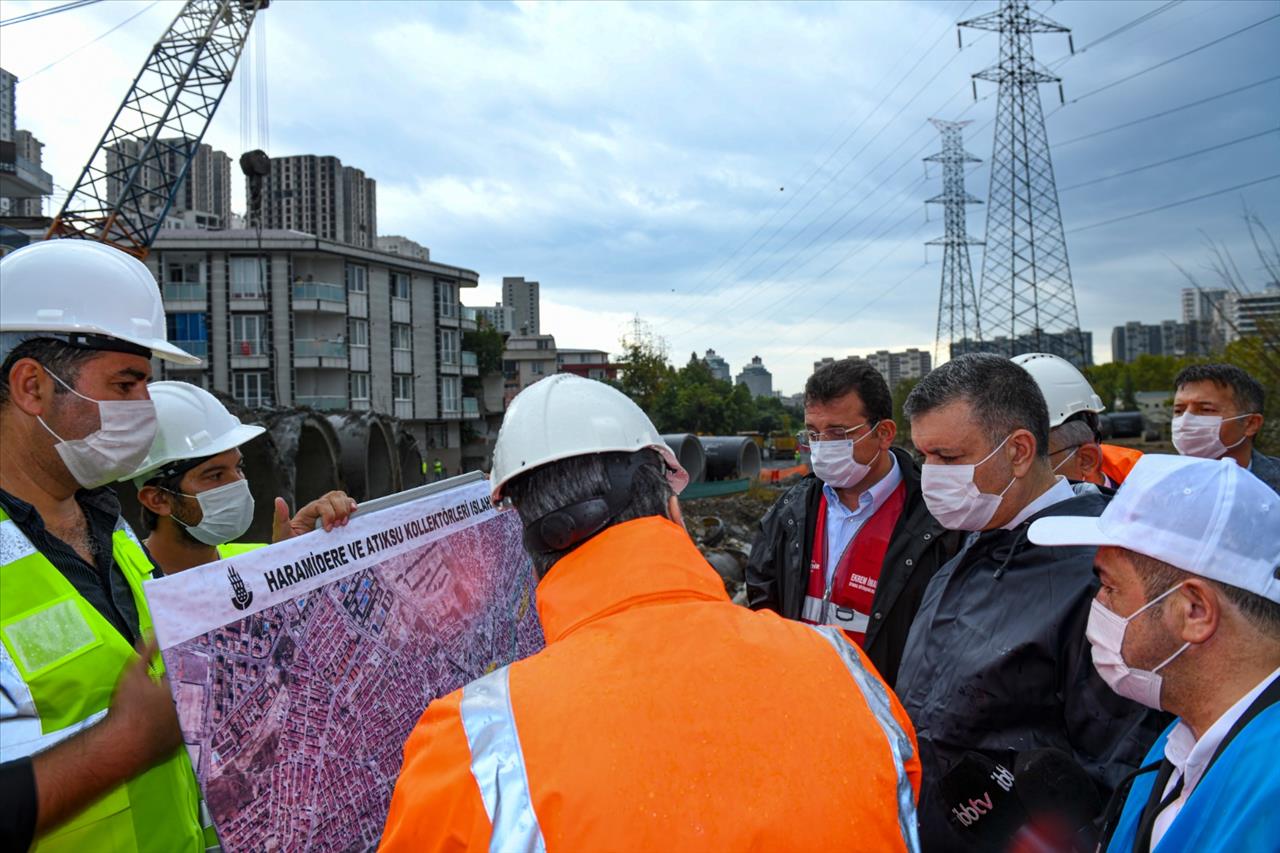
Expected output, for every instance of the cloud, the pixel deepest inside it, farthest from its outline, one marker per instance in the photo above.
(746, 176)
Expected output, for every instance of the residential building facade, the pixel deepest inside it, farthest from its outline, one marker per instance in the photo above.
(23, 181)
(1065, 344)
(525, 360)
(589, 363)
(896, 366)
(318, 195)
(523, 297)
(320, 323)
(500, 317)
(1254, 314)
(203, 196)
(757, 378)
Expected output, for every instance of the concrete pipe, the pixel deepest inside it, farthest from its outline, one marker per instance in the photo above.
(411, 473)
(309, 453)
(731, 457)
(688, 451)
(370, 462)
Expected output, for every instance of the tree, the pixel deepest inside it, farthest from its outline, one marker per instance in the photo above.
(900, 393)
(487, 344)
(643, 373)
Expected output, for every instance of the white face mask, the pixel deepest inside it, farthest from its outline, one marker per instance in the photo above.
(1105, 633)
(227, 513)
(954, 499)
(1201, 435)
(833, 462)
(114, 450)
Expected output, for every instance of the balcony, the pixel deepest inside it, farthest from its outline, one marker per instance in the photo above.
(402, 361)
(470, 365)
(250, 353)
(313, 352)
(469, 318)
(179, 294)
(319, 297)
(323, 402)
(470, 408)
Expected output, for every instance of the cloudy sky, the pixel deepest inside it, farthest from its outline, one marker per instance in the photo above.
(746, 177)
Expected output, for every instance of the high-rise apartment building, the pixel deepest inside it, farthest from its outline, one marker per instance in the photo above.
(1067, 344)
(320, 323)
(897, 366)
(203, 197)
(23, 183)
(501, 318)
(318, 195)
(1256, 313)
(757, 378)
(522, 296)
(8, 106)
(718, 366)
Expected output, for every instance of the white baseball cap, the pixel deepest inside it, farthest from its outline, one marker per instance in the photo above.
(1209, 517)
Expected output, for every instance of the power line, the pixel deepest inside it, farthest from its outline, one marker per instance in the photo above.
(796, 194)
(1165, 62)
(44, 13)
(1165, 162)
(1179, 203)
(141, 11)
(761, 245)
(1169, 111)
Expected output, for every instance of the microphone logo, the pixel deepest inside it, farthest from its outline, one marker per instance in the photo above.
(1002, 777)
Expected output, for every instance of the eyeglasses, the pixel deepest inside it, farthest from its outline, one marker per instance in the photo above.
(805, 438)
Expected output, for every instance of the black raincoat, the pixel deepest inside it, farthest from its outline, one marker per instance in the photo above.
(997, 662)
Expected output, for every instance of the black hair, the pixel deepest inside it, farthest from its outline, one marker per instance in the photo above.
(1246, 390)
(1003, 395)
(851, 376)
(1158, 576)
(61, 359)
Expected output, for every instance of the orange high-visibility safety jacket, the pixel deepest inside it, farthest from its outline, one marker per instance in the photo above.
(661, 716)
(1117, 461)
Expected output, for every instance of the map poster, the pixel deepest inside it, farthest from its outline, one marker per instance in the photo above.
(299, 669)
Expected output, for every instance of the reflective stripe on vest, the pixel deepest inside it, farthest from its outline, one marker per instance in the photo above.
(497, 763)
(877, 699)
(58, 670)
(235, 549)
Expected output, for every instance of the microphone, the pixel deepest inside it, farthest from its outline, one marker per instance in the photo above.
(1060, 800)
(982, 803)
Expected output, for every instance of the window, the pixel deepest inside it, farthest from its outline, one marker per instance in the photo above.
(248, 334)
(188, 273)
(357, 279)
(399, 285)
(537, 368)
(448, 346)
(250, 389)
(187, 327)
(247, 277)
(446, 299)
(359, 333)
(544, 344)
(402, 388)
(450, 393)
(359, 386)
(401, 336)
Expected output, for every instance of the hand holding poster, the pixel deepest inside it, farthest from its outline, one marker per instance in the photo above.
(300, 669)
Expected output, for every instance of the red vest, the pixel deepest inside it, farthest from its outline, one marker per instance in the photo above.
(846, 603)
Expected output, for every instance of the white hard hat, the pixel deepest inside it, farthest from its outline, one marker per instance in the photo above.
(81, 289)
(192, 425)
(564, 416)
(1065, 389)
(1209, 517)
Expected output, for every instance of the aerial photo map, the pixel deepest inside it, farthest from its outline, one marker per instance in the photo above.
(296, 716)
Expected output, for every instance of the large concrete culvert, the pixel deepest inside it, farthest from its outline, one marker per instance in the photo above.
(309, 454)
(370, 462)
(410, 456)
(689, 453)
(731, 457)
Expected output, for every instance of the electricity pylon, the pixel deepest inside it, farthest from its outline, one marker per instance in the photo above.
(958, 326)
